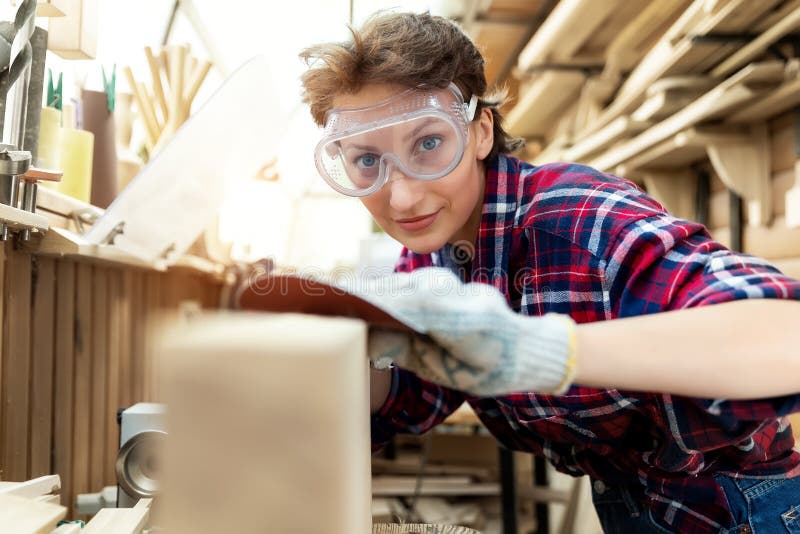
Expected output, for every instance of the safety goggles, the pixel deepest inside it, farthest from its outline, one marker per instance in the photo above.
(421, 132)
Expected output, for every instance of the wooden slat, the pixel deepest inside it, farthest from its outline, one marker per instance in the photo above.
(16, 366)
(544, 99)
(125, 399)
(64, 384)
(3, 253)
(112, 401)
(83, 380)
(138, 314)
(42, 343)
(153, 305)
(99, 336)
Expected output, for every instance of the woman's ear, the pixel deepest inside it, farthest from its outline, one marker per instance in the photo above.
(484, 133)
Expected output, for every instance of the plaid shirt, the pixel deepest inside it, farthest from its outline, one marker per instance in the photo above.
(594, 246)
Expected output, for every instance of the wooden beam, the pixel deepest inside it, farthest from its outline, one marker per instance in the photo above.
(563, 33)
(42, 350)
(615, 131)
(786, 96)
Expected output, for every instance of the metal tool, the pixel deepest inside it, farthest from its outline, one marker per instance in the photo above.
(30, 187)
(13, 163)
(142, 435)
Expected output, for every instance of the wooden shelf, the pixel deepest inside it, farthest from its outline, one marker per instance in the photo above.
(22, 220)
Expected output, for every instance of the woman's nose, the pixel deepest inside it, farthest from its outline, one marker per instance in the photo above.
(404, 192)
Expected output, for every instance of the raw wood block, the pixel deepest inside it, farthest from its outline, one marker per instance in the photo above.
(287, 397)
(16, 366)
(781, 183)
(43, 347)
(99, 410)
(82, 424)
(64, 386)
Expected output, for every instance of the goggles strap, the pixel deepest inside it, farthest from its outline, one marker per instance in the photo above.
(473, 104)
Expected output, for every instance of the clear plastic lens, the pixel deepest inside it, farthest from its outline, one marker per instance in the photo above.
(424, 148)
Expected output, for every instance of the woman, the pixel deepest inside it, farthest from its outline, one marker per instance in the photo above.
(410, 130)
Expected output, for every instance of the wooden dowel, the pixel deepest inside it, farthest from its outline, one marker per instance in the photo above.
(198, 76)
(155, 73)
(150, 128)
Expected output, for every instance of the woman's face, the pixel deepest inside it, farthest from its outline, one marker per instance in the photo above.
(424, 215)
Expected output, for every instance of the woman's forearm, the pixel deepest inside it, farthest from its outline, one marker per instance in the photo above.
(737, 350)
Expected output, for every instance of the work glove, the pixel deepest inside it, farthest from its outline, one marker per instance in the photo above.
(467, 338)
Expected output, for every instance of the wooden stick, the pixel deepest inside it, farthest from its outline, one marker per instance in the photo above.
(155, 73)
(198, 76)
(150, 128)
(149, 110)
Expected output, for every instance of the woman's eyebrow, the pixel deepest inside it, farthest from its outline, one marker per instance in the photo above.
(416, 130)
(371, 148)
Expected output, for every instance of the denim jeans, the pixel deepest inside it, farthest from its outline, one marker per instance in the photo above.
(758, 507)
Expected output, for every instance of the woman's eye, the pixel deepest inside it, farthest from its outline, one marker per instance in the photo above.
(367, 161)
(430, 143)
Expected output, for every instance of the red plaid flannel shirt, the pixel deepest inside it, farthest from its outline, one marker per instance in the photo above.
(595, 247)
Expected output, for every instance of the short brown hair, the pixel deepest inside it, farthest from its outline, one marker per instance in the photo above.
(409, 49)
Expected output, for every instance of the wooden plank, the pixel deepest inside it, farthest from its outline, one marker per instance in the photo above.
(82, 423)
(125, 399)
(565, 31)
(786, 96)
(757, 46)
(3, 255)
(619, 129)
(112, 401)
(153, 305)
(719, 209)
(672, 48)
(36, 487)
(406, 487)
(64, 384)
(138, 314)
(16, 366)
(738, 89)
(99, 410)
(18, 514)
(42, 345)
(542, 101)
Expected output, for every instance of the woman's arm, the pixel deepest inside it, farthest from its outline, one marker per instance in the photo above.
(736, 350)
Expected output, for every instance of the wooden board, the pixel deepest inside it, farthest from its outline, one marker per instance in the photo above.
(112, 402)
(43, 346)
(64, 385)
(99, 411)
(16, 366)
(82, 424)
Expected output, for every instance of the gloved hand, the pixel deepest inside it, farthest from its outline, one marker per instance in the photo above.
(468, 338)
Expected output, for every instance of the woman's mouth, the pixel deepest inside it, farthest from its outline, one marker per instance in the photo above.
(415, 224)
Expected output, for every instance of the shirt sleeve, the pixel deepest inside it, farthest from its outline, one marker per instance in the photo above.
(659, 263)
(413, 406)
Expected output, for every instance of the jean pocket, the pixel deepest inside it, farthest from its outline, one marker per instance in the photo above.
(791, 520)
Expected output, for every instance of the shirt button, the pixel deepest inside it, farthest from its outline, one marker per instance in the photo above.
(745, 529)
(599, 487)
